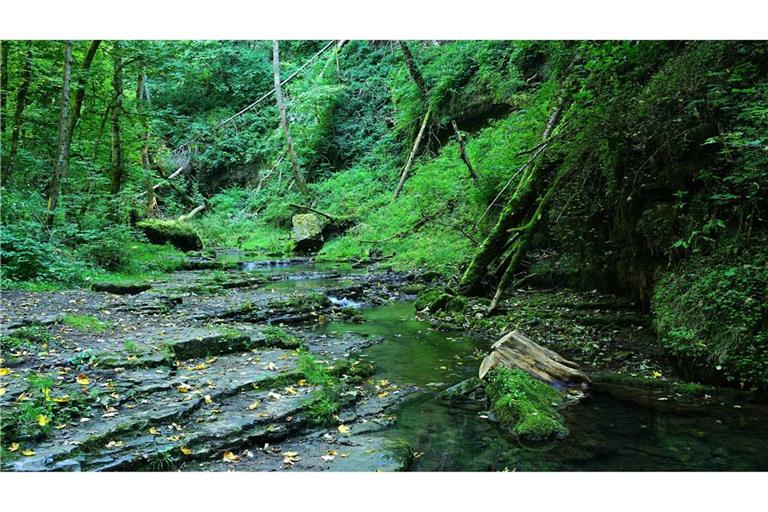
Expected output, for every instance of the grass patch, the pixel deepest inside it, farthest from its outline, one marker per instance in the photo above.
(86, 323)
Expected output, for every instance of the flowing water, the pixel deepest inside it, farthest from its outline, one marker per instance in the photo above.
(606, 434)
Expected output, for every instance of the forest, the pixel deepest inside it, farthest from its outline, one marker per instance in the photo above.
(299, 255)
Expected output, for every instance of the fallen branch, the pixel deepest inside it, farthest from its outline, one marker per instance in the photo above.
(412, 156)
(190, 215)
(418, 225)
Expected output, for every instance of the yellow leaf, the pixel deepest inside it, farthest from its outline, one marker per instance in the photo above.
(383, 394)
(254, 405)
(13, 447)
(302, 383)
(343, 429)
(83, 380)
(28, 452)
(43, 420)
(201, 366)
(656, 374)
(230, 457)
(290, 390)
(185, 450)
(114, 444)
(4, 371)
(154, 431)
(290, 457)
(383, 383)
(2, 391)
(61, 399)
(208, 399)
(184, 388)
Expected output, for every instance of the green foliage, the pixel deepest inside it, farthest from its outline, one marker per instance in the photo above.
(30, 337)
(86, 323)
(524, 404)
(276, 335)
(314, 372)
(710, 316)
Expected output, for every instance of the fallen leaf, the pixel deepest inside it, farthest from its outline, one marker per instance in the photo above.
(154, 431)
(290, 390)
(2, 391)
(185, 450)
(273, 395)
(383, 394)
(184, 388)
(344, 455)
(302, 383)
(271, 366)
(290, 458)
(208, 399)
(4, 371)
(43, 420)
(230, 457)
(254, 405)
(327, 458)
(82, 379)
(61, 399)
(28, 452)
(13, 447)
(114, 444)
(201, 366)
(343, 429)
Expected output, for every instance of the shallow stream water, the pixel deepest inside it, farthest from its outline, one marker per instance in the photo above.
(606, 434)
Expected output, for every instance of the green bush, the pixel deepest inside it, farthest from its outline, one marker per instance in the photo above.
(710, 315)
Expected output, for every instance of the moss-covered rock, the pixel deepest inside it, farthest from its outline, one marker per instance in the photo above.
(525, 405)
(438, 299)
(179, 234)
(307, 232)
(711, 315)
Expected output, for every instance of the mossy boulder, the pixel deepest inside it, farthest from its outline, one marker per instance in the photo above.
(307, 232)
(438, 299)
(528, 407)
(179, 234)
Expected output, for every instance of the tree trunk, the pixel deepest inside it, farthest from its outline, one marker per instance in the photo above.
(413, 69)
(515, 350)
(142, 102)
(3, 84)
(61, 144)
(512, 215)
(284, 122)
(21, 98)
(80, 92)
(412, 156)
(463, 152)
(117, 169)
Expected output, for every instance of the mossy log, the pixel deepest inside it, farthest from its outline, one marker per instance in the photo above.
(179, 234)
(515, 350)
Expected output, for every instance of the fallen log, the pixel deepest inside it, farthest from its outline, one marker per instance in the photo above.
(515, 350)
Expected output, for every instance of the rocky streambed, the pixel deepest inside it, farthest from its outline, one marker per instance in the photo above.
(296, 366)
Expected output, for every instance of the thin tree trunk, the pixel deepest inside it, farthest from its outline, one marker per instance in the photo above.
(463, 151)
(117, 169)
(21, 98)
(61, 144)
(142, 102)
(413, 69)
(80, 92)
(284, 122)
(412, 156)
(3, 83)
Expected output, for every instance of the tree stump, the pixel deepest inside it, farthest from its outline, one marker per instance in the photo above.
(515, 350)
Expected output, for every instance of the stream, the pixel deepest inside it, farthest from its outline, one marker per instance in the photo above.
(606, 434)
(230, 399)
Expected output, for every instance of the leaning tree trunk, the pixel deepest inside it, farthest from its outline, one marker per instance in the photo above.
(21, 99)
(77, 105)
(513, 213)
(463, 151)
(412, 156)
(284, 122)
(61, 144)
(117, 165)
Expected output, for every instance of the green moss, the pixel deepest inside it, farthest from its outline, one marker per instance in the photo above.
(26, 337)
(86, 323)
(179, 234)
(525, 405)
(438, 299)
(277, 336)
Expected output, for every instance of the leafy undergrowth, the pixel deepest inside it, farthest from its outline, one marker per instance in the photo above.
(525, 405)
(710, 314)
